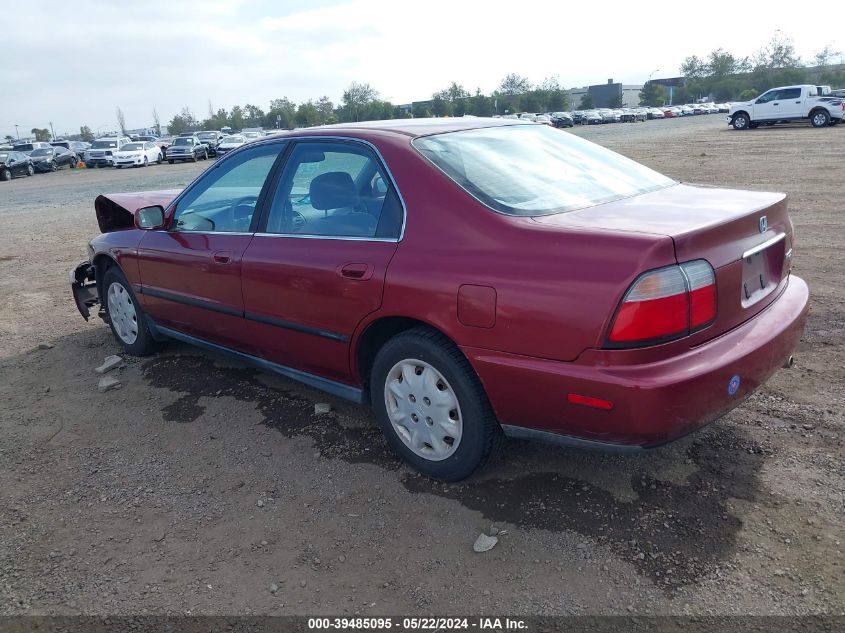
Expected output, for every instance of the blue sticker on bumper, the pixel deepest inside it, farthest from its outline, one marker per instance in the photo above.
(733, 385)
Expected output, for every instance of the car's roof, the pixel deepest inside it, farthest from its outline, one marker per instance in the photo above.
(419, 127)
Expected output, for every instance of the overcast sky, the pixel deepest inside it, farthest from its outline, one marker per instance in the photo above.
(73, 62)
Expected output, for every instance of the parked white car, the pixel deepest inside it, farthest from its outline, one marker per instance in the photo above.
(228, 143)
(787, 103)
(138, 154)
(542, 118)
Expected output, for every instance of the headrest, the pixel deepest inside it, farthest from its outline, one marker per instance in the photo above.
(333, 190)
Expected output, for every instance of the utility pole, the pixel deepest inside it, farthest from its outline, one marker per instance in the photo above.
(18, 134)
(52, 130)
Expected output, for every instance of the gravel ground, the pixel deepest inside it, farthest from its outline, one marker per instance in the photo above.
(205, 487)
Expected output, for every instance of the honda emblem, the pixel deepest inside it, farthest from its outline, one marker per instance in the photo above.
(764, 224)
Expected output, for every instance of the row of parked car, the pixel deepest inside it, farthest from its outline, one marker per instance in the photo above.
(26, 159)
(616, 115)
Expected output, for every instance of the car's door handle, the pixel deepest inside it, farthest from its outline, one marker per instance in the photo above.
(797, 102)
(222, 257)
(774, 104)
(360, 272)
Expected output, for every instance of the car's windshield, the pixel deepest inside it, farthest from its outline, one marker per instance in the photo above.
(204, 135)
(23, 148)
(536, 170)
(232, 139)
(103, 144)
(182, 140)
(132, 147)
(3, 157)
(42, 152)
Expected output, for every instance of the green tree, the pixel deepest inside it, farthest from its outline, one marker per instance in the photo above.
(652, 94)
(282, 114)
(183, 122)
(10, 139)
(41, 134)
(85, 134)
(307, 115)
(420, 111)
(587, 102)
(236, 119)
(357, 99)
(826, 56)
(253, 116)
(778, 53)
(326, 110)
(514, 84)
(615, 100)
(441, 106)
(694, 67)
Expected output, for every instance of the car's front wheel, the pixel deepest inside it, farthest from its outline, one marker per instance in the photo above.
(740, 121)
(5, 174)
(431, 405)
(125, 316)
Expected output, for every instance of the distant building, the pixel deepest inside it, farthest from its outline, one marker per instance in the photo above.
(604, 94)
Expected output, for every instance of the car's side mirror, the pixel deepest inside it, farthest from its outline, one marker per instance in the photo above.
(148, 218)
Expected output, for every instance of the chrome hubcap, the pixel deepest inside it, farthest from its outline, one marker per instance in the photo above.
(122, 313)
(423, 409)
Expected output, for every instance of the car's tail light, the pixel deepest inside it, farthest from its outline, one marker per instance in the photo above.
(665, 304)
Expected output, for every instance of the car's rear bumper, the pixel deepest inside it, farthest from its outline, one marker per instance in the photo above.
(653, 402)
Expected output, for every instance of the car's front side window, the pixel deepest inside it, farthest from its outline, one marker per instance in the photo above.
(224, 201)
(335, 189)
(771, 95)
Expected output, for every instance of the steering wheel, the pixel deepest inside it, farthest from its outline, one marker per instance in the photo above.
(296, 221)
(243, 201)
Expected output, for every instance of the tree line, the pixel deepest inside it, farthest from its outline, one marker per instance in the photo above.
(724, 76)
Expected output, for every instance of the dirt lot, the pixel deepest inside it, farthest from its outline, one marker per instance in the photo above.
(201, 485)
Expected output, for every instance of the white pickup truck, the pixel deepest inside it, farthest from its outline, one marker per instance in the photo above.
(787, 103)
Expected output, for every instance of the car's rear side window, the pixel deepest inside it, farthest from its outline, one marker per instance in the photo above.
(536, 170)
(335, 189)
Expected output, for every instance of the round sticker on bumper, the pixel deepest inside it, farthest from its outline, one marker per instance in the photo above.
(733, 385)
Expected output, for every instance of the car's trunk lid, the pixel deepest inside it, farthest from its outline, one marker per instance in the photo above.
(751, 255)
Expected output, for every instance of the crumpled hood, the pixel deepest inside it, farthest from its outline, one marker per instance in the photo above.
(116, 211)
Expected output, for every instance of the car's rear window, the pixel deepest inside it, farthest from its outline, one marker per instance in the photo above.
(531, 170)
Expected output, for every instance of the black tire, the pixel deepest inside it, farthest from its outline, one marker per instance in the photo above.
(170, 161)
(144, 343)
(159, 159)
(73, 162)
(53, 166)
(89, 166)
(146, 162)
(5, 175)
(194, 157)
(30, 170)
(741, 121)
(480, 433)
(819, 118)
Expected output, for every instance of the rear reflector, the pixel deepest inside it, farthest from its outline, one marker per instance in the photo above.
(665, 304)
(587, 401)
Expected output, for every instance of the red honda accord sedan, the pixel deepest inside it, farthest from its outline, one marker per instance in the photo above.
(466, 278)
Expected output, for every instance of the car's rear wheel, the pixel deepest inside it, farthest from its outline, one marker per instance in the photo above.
(740, 121)
(159, 159)
(125, 316)
(431, 405)
(820, 118)
(146, 162)
(5, 174)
